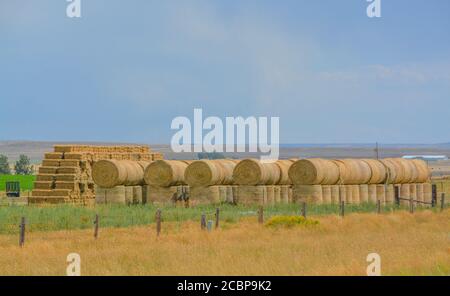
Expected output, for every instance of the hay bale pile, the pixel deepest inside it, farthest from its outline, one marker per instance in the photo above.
(359, 180)
(66, 173)
(210, 181)
(165, 173)
(263, 182)
(134, 175)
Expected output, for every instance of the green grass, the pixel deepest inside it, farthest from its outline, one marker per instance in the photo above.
(67, 217)
(26, 182)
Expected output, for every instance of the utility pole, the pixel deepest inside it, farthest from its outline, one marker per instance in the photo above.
(377, 153)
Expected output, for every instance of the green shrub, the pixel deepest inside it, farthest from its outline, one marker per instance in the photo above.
(290, 221)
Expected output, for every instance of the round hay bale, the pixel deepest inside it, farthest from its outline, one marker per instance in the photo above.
(229, 197)
(392, 171)
(290, 194)
(165, 173)
(210, 172)
(405, 192)
(135, 173)
(413, 172)
(423, 171)
(270, 195)
(223, 193)
(364, 193)
(284, 166)
(413, 191)
(307, 193)
(144, 164)
(335, 194)
(353, 171)
(356, 198)
(255, 172)
(390, 193)
(407, 172)
(129, 195)
(372, 192)
(342, 193)
(344, 173)
(314, 171)
(378, 170)
(284, 194)
(251, 195)
(109, 173)
(348, 194)
(115, 195)
(420, 194)
(277, 194)
(326, 194)
(227, 167)
(137, 195)
(204, 195)
(381, 193)
(235, 190)
(427, 192)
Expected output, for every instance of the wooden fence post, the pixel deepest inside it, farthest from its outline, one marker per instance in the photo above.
(411, 205)
(22, 232)
(217, 217)
(433, 195)
(342, 208)
(442, 201)
(203, 222)
(96, 224)
(261, 215)
(158, 222)
(397, 195)
(378, 206)
(304, 209)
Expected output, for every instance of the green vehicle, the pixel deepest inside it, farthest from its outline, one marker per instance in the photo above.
(12, 188)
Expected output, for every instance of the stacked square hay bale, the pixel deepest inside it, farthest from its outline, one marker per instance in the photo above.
(65, 175)
(356, 181)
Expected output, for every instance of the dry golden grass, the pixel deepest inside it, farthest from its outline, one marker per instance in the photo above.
(408, 244)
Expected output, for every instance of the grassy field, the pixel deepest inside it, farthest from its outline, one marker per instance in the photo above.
(26, 182)
(68, 217)
(408, 245)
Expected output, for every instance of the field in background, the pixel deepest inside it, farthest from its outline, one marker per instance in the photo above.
(408, 245)
(26, 182)
(35, 150)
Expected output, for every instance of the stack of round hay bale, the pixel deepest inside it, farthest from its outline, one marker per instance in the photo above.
(253, 181)
(210, 181)
(263, 182)
(127, 181)
(166, 182)
(361, 180)
(119, 181)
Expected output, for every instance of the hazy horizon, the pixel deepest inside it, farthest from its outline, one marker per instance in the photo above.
(281, 144)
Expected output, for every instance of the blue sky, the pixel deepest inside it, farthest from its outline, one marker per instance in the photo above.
(125, 69)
